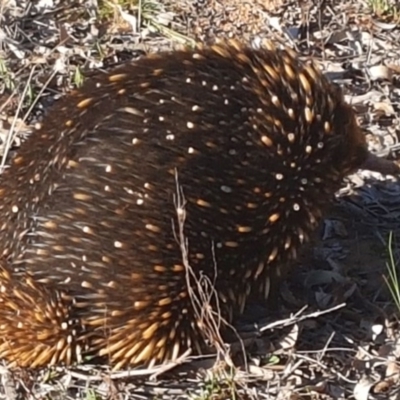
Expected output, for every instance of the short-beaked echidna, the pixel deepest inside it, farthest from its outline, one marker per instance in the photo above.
(255, 142)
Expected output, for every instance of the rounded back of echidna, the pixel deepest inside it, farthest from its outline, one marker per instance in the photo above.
(221, 158)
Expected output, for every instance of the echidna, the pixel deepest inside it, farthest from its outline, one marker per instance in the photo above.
(246, 147)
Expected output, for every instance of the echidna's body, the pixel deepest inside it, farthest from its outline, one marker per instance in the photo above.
(258, 143)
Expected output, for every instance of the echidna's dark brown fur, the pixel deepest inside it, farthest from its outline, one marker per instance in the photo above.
(258, 142)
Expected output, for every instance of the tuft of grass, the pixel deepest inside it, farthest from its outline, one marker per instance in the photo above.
(154, 16)
(107, 9)
(78, 77)
(92, 395)
(392, 280)
(218, 386)
(6, 76)
(151, 14)
(385, 9)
